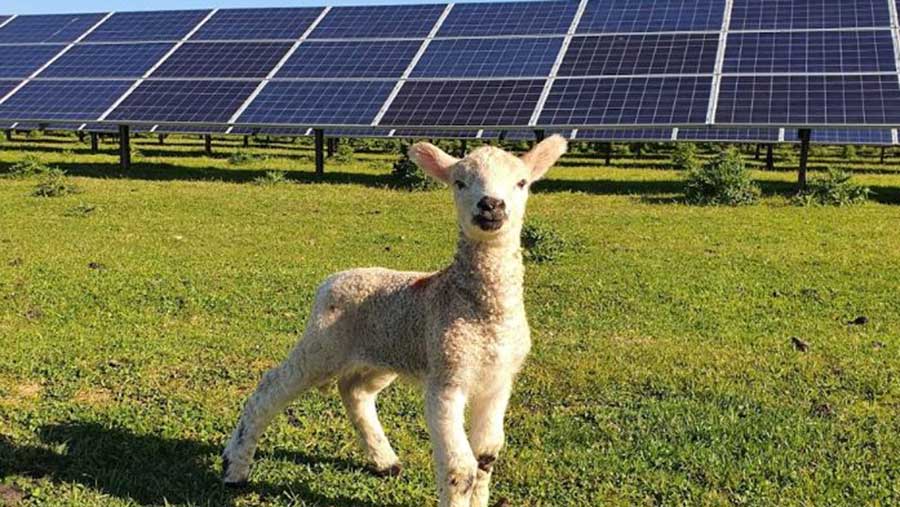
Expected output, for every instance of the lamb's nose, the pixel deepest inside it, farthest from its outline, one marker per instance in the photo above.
(491, 204)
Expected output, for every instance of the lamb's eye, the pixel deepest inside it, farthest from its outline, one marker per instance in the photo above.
(522, 183)
(460, 185)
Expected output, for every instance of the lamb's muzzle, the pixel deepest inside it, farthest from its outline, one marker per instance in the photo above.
(461, 331)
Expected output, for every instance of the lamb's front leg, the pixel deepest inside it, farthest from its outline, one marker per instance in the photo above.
(454, 462)
(488, 410)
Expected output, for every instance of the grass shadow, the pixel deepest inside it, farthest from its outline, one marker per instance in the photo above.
(146, 469)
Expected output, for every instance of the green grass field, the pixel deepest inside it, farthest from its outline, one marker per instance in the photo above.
(137, 315)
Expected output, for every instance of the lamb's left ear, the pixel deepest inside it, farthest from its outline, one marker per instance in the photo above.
(544, 155)
(432, 160)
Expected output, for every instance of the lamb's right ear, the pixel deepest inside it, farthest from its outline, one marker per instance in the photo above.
(432, 160)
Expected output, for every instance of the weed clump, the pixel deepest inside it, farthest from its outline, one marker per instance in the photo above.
(271, 178)
(542, 244)
(54, 183)
(721, 181)
(685, 157)
(242, 157)
(28, 167)
(833, 189)
(344, 153)
(408, 176)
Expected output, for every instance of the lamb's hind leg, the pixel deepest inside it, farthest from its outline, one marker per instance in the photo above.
(309, 365)
(358, 391)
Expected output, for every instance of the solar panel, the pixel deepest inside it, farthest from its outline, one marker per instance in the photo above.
(272, 131)
(638, 16)
(874, 137)
(257, 24)
(724, 134)
(641, 54)
(810, 52)
(627, 101)
(189, 129)
(107, 60)
(509, 18)
(529, 57)
(48, 28)
(317, 103)
(62, 100)
(357, 132)
(435, 134)
(379, 21)
(147, 26)
(7, 85)
(191, 101)
(464, 103)
(624, 135)
(22, 61)
(223, 59)
(803, 14)
(530, 135)
(350, 59)
(811, 100)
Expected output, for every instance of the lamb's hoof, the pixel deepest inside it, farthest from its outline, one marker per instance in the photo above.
(503, 502)
(391, 471)
(231, 476)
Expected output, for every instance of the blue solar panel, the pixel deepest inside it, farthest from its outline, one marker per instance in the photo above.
(641, 54)
(62, 100)
(724, 134)
(147, 26)
(189, 129)
(107, 60)
(464, 103)
(348, 59)
(872, 137)
(787, 100)
(184, 101)
(435, 134)
(22, 61)
(530, 135)
(357, 132)
(257, 24)
(509, 18)
(628, 16)
(530, 57)
(223, 59)
(627, 101)
(803, 14)
(318, 103)
(381, 21)
(7, 85)
(272, 131)
(810, 52)
(48, 28)
(624, 135)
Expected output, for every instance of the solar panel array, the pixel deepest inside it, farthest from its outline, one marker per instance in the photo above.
(563, 65)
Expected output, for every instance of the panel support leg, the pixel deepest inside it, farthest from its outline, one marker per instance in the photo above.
(757, 152)
(608, 154)
(320, 152)
(95, 142)
(246, 141)
(770, 158)
(162, 139)
(9, 135)
(207, 144)
(80, 136)
(124, 147)
(462, 149)
(804, 135)
(329, 146)
(882, 155)
(539, 135)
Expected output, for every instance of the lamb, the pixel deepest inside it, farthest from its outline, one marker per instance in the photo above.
(462, 331)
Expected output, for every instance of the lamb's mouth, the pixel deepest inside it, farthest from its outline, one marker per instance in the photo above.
(488, 223)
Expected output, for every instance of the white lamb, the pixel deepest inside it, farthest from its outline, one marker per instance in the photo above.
(461, 331)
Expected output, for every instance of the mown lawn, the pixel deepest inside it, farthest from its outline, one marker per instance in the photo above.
(137, 315)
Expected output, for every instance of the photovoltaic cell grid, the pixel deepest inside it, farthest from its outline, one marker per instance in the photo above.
(7, 85)
(810, 52)
(107, 60)
(350, 59)
(805, 14)
(641, 54)
(47, 28)
(223, 60)
(382, 22)
(725, 135)
(509, 18)
(844, 136)
(317, 103)
(147, 26)
(488, 58)
(640, 16)
(22, 61)
(62, 100)
(257, 24)
(624, 135)
(192, 101)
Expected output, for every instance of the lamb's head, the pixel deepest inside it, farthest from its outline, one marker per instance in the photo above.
(490, 186)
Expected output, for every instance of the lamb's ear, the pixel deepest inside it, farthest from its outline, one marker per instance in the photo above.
(544, 155)
(432, 160)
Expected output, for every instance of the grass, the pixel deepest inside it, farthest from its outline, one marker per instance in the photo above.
(137, 315)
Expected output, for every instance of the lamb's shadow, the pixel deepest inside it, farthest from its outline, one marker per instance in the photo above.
(149, 469)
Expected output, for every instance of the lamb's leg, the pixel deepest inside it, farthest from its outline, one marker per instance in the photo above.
(309, 365)
(486, 437)
(358, 391)
(455, 464)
